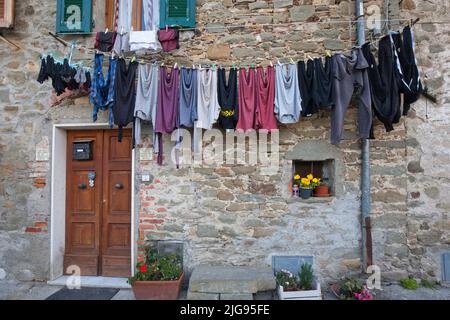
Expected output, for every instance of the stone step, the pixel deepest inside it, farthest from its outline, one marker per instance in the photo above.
(229, 282)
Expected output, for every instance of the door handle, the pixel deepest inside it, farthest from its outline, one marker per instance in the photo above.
(119, 186)
(82, 186)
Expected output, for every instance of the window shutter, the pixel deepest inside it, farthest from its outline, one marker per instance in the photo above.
(74, 16)
(6, 13)
(177, 13)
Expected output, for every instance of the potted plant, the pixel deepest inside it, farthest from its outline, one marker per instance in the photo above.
(305, 287)
(307, 186)
(351, 289)
(159, 277)
(322, 190)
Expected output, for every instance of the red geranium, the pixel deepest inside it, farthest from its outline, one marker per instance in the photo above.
(143, 268)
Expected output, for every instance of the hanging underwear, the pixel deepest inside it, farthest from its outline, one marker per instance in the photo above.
(104, 41)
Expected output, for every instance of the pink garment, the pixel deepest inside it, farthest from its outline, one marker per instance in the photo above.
(265, 99)
(169, 39)
(247, 100)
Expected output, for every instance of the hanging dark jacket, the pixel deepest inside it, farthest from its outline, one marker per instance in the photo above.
(125, 88)
(384, 83)
(411, 85)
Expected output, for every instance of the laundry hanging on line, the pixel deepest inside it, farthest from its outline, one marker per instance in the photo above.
(299, 89)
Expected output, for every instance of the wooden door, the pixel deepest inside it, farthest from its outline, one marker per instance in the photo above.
(98, 217)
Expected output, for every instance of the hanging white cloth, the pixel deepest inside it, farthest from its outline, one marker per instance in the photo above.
(141, 41)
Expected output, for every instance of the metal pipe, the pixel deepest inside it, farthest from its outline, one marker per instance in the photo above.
(366, 243)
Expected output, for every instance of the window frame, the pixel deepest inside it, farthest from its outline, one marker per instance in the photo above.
(328, 165)
(185, 22)
(110, 8)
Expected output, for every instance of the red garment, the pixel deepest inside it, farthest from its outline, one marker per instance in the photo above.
(169, 39)
(247, 100)
(265, 99)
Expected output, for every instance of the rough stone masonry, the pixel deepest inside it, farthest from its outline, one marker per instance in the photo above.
(240, 215)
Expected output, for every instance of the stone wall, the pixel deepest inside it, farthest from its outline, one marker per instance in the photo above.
(240, 215)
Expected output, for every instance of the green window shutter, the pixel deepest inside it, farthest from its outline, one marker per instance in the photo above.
(179, 13)
(74, 16)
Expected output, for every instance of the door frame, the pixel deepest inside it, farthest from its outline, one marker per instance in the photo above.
(58, 196)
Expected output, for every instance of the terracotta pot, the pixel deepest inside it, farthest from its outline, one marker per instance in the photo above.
(322, 191)
(158, 290)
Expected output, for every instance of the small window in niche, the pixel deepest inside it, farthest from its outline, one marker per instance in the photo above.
(323, 170)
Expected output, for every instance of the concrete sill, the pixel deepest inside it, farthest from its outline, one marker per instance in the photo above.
(311, 200)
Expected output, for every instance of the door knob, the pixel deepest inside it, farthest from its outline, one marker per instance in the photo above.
(82, 186)
(119, 186)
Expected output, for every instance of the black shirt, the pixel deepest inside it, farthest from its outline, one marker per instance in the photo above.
(228, 99)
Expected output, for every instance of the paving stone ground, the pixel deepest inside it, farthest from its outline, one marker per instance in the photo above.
(14, 290)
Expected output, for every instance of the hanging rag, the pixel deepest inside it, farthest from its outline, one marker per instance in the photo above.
(228, 99)
(168, 106)
(146, 100)
(287, 94)
(247, 100)
(169, 39)
(104, 41)
(122, 43)
(188, 98)
(306, 81)
(322, 83)
(125, 87)
(350, 74)
(103, 90)
(265, 99)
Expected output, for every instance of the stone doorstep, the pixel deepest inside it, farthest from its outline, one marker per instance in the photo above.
(231, 280)
(218, 296)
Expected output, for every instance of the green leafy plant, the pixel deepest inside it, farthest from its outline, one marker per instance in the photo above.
(157, 267)
(425, 283)
(306, 277)
(409, 283)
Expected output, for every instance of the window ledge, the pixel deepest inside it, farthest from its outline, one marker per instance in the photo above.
(310, 200)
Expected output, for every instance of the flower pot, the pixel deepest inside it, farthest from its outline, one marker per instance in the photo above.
(158, 290)
(305, 193)
(315, 294)
(322, 191)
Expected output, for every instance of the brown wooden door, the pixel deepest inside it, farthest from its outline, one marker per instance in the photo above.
(98, 218)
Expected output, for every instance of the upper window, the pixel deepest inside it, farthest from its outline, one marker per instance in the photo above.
(173, 13)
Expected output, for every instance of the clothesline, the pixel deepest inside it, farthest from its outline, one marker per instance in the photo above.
(252, 26)
(146, 60)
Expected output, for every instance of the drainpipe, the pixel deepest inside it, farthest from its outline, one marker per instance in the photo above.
(366, 234)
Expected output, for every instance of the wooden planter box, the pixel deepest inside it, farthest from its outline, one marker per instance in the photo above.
(300, 295)
(158, 290)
